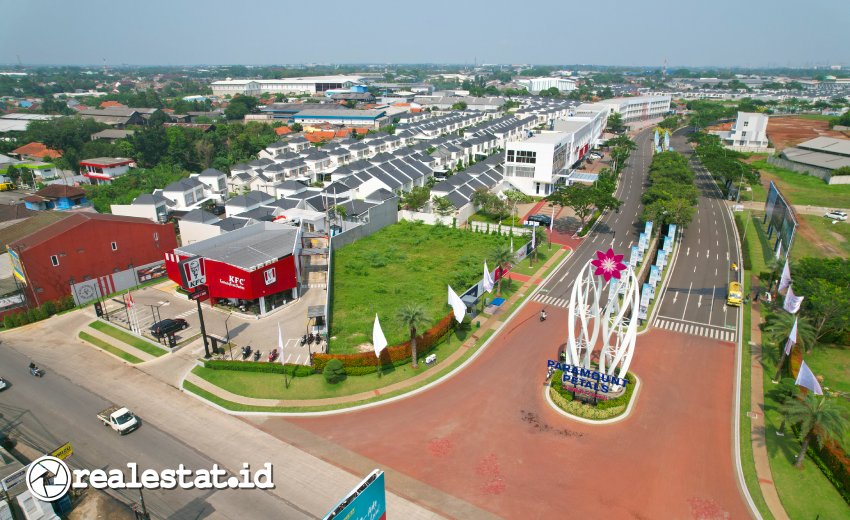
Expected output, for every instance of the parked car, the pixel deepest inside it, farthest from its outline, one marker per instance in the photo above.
(836, 215)
(543, 220)
(168, 326)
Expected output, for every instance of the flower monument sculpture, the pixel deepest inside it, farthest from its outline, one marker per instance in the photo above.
(603, 311)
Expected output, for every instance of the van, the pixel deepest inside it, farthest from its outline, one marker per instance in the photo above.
(735, 294)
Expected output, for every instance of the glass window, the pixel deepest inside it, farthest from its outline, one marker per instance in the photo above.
(54, 260)
(115, 246)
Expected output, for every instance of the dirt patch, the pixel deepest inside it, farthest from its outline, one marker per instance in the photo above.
(722, 127)
(837, 236)
(807, 233)
(365, 347)
(784, 132)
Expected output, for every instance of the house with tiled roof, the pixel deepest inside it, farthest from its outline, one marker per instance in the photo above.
(36, 151)
(56, 197)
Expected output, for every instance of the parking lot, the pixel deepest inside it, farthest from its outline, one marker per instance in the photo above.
(161, 301)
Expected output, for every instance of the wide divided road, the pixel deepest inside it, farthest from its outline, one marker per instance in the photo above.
(694, 301)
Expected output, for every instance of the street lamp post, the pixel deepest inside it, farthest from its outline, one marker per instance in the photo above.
(229, 345)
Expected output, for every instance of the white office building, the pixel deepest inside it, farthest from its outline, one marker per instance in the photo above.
(535, 85)
(748, 134)
(306, 85)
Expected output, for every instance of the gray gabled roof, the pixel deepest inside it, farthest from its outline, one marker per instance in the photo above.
(355, 208)
(262, 214)
(211, 172)
(150, 198)
(283, 204)
(380, 195)
(186, 184)
(199, 215)
(291, 184)
(249, 248)
(232, 223)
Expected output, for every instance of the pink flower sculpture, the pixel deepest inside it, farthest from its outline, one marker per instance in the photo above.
(608, 264)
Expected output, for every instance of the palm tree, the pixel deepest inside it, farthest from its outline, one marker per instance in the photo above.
(777, 329)
(413, 316)
(813, 413)
(502, 256)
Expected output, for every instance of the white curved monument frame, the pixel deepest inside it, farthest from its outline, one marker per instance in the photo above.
(611, 323)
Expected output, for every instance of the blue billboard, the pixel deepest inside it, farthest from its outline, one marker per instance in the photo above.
(367, 501)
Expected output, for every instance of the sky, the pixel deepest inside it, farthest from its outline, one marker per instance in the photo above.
(745, 33)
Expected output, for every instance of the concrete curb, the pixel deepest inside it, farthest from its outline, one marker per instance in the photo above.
(602, 422)
(405, 395)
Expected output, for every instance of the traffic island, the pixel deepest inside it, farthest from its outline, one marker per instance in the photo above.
(589, 396)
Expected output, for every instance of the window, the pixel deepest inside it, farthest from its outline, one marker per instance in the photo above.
(522, 156)
(743, 134)
(115, 246)
(746, 123)
(54, 260)
(155, 236)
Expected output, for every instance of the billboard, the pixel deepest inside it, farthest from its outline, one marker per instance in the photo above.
(367, 501)
(780, 219)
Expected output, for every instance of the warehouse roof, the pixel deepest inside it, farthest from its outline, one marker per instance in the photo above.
(248, 248)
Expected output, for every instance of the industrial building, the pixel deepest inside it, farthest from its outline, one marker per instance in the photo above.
(535, 85)
(305, 85)
(632, 109)
(820, 157)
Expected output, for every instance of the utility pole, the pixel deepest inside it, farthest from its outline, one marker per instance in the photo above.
(203, 329)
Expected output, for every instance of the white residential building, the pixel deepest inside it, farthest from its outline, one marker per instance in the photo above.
(639, 108)
(535, 85)
(749, 133)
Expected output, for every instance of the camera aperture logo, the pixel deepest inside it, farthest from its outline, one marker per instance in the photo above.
(49, 478)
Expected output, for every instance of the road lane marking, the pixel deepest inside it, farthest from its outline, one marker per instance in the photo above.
(686, 300)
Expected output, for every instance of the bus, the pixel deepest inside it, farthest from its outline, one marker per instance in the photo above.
(735, 294)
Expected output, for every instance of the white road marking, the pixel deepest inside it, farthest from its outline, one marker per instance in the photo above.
(685, 307)
(688, 253)
(699, 301)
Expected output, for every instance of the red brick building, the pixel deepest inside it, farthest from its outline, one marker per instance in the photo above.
(85, 246)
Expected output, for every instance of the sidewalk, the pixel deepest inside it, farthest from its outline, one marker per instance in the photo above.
(117, 343)
(488, 323)
(757, 428)
(803, 210)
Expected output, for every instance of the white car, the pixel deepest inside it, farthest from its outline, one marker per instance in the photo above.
(3, 384)
(836, 215)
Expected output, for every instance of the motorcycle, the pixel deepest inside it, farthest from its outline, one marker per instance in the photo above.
(549, 372)
(303, 340)
(35, 371)
(543, 316)
(318, 338)
(310, 339)
(272, 355)
(246, 351)
(257, 355)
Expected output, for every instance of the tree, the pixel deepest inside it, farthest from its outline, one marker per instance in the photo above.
(824, 282)
(296, 127)
(819, 417)
(443, 206)
(777, 329)
(412, 315)
(334, 371)
(151, 144)
(158, 118)
(460, 105)
(515, 197)
(240, 106)
(416, 198)
(502, 256)
(579, 197)
(337, 213)
(615, 123)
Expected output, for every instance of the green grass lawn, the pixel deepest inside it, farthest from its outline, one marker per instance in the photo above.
(833, 363)
(835, 238)
(405, 262)
(805, 190)
(439, 372)
(109, 348)
(816, 117)
(127, 338)
(804, 493)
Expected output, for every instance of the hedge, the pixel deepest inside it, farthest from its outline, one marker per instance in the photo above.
(37, 314)
(257, 366)
(834, 464)
(604, 409)
(397, 354)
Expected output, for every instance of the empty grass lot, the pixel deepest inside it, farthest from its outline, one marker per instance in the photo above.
(805, 190)
(127, 338)
(405, 262)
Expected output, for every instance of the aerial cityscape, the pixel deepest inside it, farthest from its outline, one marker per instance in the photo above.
(431, 261)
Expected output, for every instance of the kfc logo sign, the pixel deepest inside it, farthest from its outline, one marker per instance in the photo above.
(234, 281)
(270, 276)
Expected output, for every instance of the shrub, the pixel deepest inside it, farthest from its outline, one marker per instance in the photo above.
(8, 321)
(334, 372)
(602, 410)
(49, 308)
(396, 355)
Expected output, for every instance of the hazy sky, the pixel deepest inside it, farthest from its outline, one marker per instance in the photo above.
(614, 32)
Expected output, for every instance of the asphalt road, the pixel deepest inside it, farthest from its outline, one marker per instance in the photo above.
(694, 301)
(618, 230)
(47, 412)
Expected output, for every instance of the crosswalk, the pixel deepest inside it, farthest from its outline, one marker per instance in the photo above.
(696, 329)
(550, 300)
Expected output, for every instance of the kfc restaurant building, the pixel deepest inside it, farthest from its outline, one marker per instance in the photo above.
(255, 268)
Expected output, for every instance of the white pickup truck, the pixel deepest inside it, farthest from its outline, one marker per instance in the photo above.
(120, 419)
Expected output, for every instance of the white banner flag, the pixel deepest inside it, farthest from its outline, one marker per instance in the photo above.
(378, 338)
(778, 250)
(785, 281)
(807, 379)
(457, 305)
(792, 339)
(487, 281)
(792, 301)
(280, 345)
